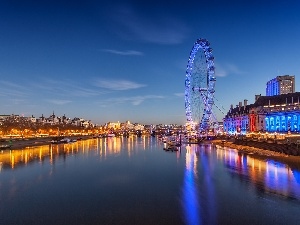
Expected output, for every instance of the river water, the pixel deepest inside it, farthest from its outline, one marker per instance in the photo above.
(134, 181)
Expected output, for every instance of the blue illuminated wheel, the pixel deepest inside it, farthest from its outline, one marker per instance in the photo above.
(200, 86)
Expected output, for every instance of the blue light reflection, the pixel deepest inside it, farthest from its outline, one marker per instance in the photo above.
(198, 191)
(267, 175)
(190, 193)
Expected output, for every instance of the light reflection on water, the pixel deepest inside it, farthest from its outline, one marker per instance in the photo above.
(191, 203)
(200, 184)
(10, 159)
(268, 175)
(198, 188)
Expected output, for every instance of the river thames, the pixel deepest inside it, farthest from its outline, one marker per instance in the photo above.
(134, 181)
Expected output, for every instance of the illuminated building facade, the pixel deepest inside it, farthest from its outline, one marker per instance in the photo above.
(281, 85)
(237, 119)
(283, 122)
(283, 113)
(279, 113)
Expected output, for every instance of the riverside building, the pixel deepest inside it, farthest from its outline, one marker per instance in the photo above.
(281, 85)
(277, 113)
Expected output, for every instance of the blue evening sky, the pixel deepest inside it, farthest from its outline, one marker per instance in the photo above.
(126, 60)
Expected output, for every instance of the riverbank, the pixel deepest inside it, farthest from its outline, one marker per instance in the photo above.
(18, 144)
(291, 160)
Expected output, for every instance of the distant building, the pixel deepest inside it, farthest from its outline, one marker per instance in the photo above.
(111, 125)
(281, 85)
(3, 118)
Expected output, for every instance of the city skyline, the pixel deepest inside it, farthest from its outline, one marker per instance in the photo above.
(126, 60)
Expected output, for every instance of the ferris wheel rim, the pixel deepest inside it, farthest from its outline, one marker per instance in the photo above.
(204, 45)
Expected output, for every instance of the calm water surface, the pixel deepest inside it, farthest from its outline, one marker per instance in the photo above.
(134, 181)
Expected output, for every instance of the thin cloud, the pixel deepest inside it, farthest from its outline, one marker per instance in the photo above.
(10, 84)
(161, 29)
(59, 102)
(50, 87)
(16, 101)
(118, 85)
(227, 69)
(127, 53)
(66, 87)
(135, 100)
(179, 94)
(12, 89)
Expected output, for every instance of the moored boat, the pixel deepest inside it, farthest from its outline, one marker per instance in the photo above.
(5, 146)
(170, 146)
(55, 141)
(65, 140)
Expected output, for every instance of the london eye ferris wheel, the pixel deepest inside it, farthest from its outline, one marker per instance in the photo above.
(200, 86)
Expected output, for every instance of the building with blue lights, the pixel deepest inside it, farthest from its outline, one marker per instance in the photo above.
(277, 113)
(280, 85)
